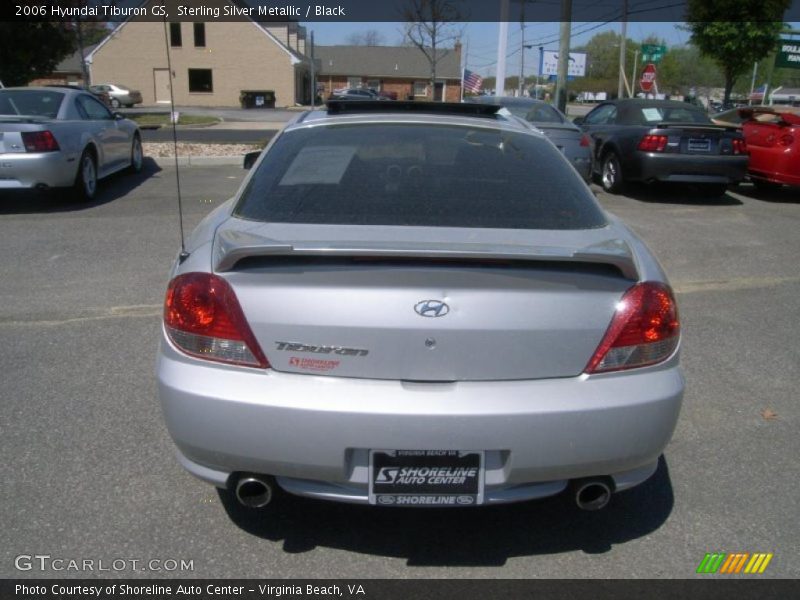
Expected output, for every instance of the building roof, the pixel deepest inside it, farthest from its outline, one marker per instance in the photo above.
(72, 64)
(385, 61)
(785, 91)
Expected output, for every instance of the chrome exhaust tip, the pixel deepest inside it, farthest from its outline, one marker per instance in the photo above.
(592, 494)
(253, 491)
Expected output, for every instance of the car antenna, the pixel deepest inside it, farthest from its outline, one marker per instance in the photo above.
(183, 254)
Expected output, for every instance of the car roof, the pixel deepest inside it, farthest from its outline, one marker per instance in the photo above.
(470, 115)
(632, 102)
(48, 88)
(506, 100)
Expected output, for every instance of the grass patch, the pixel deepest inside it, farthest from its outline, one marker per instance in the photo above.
(156, 119)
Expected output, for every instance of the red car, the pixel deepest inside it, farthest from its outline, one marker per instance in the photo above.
(772, 134)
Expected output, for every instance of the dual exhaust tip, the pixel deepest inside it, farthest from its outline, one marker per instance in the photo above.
(256, 491)
(591, 494)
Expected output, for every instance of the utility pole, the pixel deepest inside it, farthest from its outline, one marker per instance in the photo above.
(633, 73)
(502, 44)
(313, 75)
(563, 55)
(539, 70)
(753, 83)
(521, 49)
(622, 48)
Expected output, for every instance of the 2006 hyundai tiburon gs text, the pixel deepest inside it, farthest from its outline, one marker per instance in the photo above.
(418, 304)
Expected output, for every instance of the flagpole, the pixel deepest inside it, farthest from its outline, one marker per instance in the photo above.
(464, 68)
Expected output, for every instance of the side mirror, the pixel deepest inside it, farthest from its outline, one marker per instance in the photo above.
(250, 159)
(578, 120)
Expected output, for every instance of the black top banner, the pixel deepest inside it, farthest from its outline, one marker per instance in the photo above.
(367, 10)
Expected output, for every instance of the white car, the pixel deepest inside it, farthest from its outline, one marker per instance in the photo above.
(119, 94)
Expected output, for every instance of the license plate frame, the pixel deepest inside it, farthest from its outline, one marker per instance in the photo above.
(426, 477)
(699, 145)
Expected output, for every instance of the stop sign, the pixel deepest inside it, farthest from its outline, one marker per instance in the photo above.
(648, 78)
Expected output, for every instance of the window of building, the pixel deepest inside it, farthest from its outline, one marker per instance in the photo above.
(420, 88)
(354, 82)
(374, 84)
(199, 35)
(200, 80)
(175, 39)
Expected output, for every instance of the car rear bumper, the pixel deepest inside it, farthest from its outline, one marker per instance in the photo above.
(314, 433)
(36, 170)
(775, 176)
(684, 168)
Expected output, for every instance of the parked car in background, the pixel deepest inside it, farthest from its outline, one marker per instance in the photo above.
(568, 137)
(355, 94)
(418, 304)
(773, 139)
(119, 94)
(62, 138)
(665, 141)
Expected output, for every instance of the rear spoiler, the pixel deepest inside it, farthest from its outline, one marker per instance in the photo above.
(696, 126)
(232, 246)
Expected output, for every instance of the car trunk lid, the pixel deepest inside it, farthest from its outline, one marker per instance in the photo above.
(517, 305)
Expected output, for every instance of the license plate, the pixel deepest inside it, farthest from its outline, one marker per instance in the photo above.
(699, 145)
(426, 477)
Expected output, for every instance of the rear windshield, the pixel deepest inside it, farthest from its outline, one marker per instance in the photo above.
(423, 175)
(651, 115)
(36, 103)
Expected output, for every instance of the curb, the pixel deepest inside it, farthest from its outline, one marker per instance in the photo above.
(197, 161)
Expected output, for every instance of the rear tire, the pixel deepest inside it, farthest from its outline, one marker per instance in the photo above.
(85, 187)
(114, 103)
(611, 173)
(137, 155)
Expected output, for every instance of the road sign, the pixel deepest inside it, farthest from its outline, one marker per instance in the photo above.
(653, 53)
(648, 78)
(576, 66)
(788, 56)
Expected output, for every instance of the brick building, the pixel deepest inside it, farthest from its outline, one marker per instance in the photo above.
(399, 69)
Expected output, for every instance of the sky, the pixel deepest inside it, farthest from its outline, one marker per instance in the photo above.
(480, 39)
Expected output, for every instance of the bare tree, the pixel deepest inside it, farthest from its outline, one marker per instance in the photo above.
(432, 27)
(371, 37)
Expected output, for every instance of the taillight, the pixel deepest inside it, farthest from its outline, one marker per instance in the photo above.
(39, 141)
(585, 141)
(739, 146)
(203, 319)
(644, 330)
(786, 139)
(653, 143)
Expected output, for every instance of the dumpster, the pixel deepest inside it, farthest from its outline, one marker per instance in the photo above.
(257, 99)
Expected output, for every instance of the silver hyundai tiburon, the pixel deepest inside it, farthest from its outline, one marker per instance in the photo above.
(418, 304)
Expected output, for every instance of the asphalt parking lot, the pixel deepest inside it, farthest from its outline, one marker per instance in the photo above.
(88, 466)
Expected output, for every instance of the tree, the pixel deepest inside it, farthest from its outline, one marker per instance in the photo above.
(431, 27)
(724, 31)
(32, 49)
(602, 62)
(371, 37)
(684, 68)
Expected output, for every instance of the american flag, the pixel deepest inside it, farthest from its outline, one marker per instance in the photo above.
(472, 82)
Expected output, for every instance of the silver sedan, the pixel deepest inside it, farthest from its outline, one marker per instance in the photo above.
(566, 136)
(394, 311)
(52, 137)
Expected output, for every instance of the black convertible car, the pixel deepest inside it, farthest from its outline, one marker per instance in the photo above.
(662, 140)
